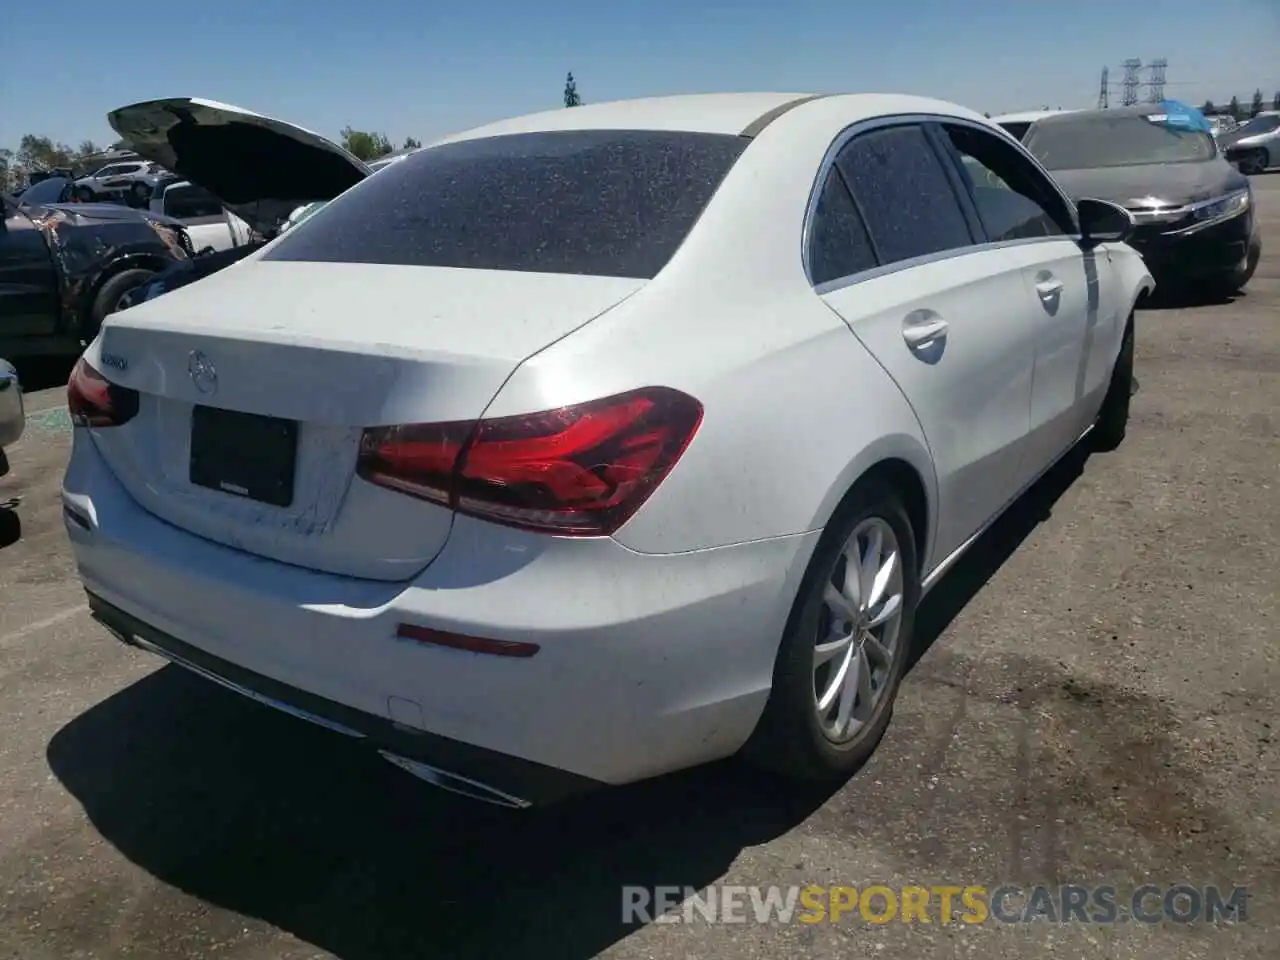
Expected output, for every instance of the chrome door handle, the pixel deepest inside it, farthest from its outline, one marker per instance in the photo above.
(1049, 288)
(920, 333)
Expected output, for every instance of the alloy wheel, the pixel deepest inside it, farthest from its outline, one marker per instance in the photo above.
(858, 638)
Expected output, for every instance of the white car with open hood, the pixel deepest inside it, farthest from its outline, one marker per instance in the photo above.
(599, 443)
(264, 171)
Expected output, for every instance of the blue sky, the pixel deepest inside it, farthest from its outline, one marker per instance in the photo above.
(428, 69)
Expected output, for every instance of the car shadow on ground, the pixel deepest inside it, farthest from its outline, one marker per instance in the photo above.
(253, 811)
(10, 525)
(1189, 299)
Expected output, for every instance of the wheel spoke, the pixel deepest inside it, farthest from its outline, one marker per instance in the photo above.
(837, 683)
(881, 580)
(831, 649)
(876, 651)
(839, 603)
(849, 692)
(869, 567)
(886, 611)
(866, 696)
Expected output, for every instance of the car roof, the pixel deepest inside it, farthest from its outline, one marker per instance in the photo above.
(733, 114)
(1029, 116)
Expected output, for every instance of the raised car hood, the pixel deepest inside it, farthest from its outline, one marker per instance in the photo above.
(259, 167)
(1174, 183)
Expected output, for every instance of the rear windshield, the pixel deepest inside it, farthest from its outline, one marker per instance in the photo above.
(597, 202)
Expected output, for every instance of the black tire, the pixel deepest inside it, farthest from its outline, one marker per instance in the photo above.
(107, 299)
(789, 738)
(139, 194)
(85, 195)
(1113, 419)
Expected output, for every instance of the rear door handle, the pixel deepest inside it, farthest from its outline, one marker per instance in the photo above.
(920, 332)
(1049, 287)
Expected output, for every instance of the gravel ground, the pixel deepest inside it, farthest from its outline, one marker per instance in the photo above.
(1094, 703)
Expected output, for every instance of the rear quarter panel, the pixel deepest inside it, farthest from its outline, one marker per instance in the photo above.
(795, 410)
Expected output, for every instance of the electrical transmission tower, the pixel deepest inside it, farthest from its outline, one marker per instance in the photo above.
(1104, 96)
(1155, 86)
(1132, 81)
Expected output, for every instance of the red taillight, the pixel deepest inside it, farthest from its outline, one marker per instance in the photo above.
(94, 401)
(580, 470)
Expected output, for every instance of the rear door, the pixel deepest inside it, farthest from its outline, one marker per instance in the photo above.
(28, 280)
(1068, 303)
(939, 311)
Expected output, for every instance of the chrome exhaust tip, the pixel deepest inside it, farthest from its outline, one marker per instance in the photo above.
(454, 783)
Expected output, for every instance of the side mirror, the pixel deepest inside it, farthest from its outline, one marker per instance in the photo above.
(1103, 222)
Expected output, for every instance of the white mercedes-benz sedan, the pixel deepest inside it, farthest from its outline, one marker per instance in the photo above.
(595, 444)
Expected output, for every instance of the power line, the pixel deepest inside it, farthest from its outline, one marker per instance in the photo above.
(1132, 80)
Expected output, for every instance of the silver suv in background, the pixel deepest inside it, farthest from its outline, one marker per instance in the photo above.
(131, 181)
(1255, 146)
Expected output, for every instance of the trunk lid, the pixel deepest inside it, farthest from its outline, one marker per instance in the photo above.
(261, 168)
(335, 348)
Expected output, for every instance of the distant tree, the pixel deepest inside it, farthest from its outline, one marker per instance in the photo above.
(987, 115)
(1255, 108)
(41, 153)
(8, 172)
(571, 98)
(1233, 108)
(411, 144)
(1208, 109)
(366, 146)
(1275, 101)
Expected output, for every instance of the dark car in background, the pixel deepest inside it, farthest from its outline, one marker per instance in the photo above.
(65, 267)
(1194, 211)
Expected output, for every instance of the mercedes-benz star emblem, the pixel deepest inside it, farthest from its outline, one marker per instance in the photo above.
(203, 373)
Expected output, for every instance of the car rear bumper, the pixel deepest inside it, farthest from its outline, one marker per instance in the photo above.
(646, 664)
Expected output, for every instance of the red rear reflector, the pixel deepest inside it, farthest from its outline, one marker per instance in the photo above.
(457, 641)
(581, 470)
(94, 401)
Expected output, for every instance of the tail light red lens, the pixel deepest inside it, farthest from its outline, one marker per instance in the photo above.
(581, 470)
(94, 401)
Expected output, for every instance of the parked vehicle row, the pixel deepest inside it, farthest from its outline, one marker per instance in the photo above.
(1194, 209)
(65, 267)
(598, 443)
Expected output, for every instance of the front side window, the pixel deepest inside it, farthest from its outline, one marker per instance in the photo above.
(1095, 140)
(1014, 200)
(903, 191)
(593, 202)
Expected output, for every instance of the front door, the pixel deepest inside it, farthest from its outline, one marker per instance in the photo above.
(1067, 301)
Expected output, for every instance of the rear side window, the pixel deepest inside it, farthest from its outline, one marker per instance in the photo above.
(190, 202)
(838, 243)
(597, 202)
(903, 192)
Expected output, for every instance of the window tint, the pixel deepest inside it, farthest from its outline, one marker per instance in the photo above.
(602, 202)
(838, 243)
(1014, 200)
(903, 191)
